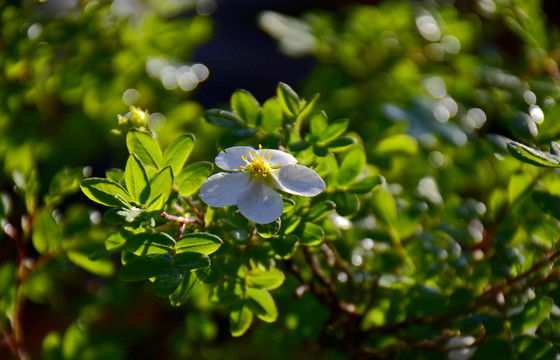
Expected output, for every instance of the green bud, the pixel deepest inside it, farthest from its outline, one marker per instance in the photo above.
(138, 117)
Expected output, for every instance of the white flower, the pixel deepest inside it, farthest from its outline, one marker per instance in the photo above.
(254, 176)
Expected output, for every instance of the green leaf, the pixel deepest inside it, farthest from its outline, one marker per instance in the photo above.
(161, 186)
(308, 109)
(496, 349)
(351, 166)
(192, 177)
(265, 279)
(529, 347)
(334, 130)
(117, 240)
(347, 204)
(320, 210)
(284, 246)
(136, 179)
(288, 98)
(240, 318)
(222, 118)
(198, 242)
(271, 118)
(47, 234)
(150, 243)
(153, 265)
(532, 156)
(209, 276)
(166, 284)
(549, 203)
(269, 230)
(115, 175)
(65, 182)
(318, 125)
(177, 152)
(181, 294)
(106, 192)
(533, 314)
(144, 267)
(145, 147)
(396, 144)
(518, 185)
(384, 206)
(246, 106)
(343, 143)
(263, 304)
(365, 185)
(100, 267)
(312, 234)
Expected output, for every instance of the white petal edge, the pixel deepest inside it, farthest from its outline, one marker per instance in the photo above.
(222, 189)
(278, 157)
(260, 203)
(298, 180)
(230, 159)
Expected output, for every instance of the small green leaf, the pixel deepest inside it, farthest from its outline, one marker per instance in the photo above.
(384, 206)
(396, 144)
(222, 118)
(46, 233)
(308, 109)
(240, 318)
(246, 106)
(198, 242)
(144, 267)
(530, 347)
(208, 276)
(271, 116)
(365, 185)
(312, 234)
(177, 152)
(265, 279)
(351, 166)
(284, 246)
(347, 204)
(532, 156)
(165, 285)
(269, 230)
(101, 267)
(189, 261)
(145, 147)
(154, 265)
(161, 186)
(549, 203)
(106, 192)
(150, 243)
(192, 176)
(320, 210)
(318, 125)
(117, 240)
(334, 130)
(181, 294)
(136, 179)
(115, 175)
(533, 314)
(343, 143)
(288, 99)
(263, 304)
(65, 182)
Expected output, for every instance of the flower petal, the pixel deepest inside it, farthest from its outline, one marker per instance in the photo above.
(277, 157)
(260, 203)
(230, 159)
(299, 180)
(222, 189)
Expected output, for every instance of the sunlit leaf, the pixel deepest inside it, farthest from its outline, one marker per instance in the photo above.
(145, 147)
(106, 192)
(192, 176)
(177, 152)
(265, 279)
(47, 234)
(198, 242)
(245, 106)
(136, 179)
(240, 318)
(262, 304)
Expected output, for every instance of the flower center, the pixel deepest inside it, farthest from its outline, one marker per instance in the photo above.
(258, 164)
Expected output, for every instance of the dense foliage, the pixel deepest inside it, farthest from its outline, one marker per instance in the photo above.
(432, 124)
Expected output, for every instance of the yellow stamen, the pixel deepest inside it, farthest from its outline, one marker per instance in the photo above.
(259, 165)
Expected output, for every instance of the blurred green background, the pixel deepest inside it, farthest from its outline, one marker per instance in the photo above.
(432, 90)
